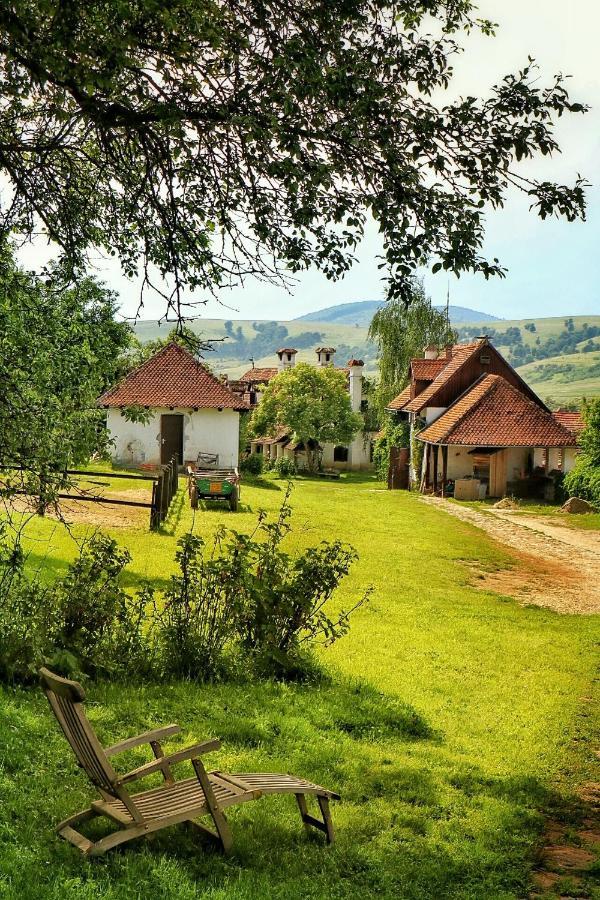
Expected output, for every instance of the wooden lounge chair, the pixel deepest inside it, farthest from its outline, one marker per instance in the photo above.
(173, 802)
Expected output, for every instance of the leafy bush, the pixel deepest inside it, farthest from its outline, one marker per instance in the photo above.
(252, 464)
(241, 598)
(198, 615)
(284, 467)
(583, 481)
(84, 623)
(283, 602)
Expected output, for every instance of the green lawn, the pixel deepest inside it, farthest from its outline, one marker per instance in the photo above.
(447, 725)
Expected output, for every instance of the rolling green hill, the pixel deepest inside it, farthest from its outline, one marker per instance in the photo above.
(564, 379)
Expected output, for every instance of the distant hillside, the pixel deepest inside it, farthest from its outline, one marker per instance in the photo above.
(362, 312)
(563, 379)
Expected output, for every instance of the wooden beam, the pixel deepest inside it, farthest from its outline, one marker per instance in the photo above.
(435, 467)
(444, 469)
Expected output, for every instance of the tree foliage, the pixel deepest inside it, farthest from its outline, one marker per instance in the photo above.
(216, 140)
(313, 403)
(60, 348)
(401, 331)
(590, 436)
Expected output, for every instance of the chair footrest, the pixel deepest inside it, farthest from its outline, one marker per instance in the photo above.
(74, 837)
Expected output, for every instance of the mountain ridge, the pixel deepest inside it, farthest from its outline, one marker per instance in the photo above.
(361, 312)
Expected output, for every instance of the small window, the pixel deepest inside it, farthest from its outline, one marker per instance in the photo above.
(340, 454)
(327, 357)
(259, 448)
(289, 356)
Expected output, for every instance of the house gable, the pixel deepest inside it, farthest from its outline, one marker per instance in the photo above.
(467, 365)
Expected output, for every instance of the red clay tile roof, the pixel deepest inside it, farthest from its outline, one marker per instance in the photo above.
(571, 420)
(427, 369)
(493, 413)
(460, 354)
(401, 400)
(259, 376)
(172, 378)
(355, 362)
(286, 350)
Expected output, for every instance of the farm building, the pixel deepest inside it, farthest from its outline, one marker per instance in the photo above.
(473, 418)
(191, 412)
(356, 455)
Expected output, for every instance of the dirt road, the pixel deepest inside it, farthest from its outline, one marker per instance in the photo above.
(556, 566)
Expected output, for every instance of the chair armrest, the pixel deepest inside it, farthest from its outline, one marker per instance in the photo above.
(156, 734)
(157, 765)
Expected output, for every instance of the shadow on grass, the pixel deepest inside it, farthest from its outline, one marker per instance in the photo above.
(264, 484)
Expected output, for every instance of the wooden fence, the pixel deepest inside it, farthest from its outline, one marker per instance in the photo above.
(164, 488)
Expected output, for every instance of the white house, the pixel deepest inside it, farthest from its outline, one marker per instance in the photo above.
(191, 413)
(356, 455)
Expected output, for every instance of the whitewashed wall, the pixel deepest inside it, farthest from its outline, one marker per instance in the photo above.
(205, 430)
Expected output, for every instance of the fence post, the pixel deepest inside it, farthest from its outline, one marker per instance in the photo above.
(164, 494)
(154, 510)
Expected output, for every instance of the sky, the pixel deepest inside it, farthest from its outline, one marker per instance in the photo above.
(553, 266)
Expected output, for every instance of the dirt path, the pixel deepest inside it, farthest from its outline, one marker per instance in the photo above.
(556, 566)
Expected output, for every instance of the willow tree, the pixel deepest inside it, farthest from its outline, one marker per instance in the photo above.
(214, 140)
(401, 330)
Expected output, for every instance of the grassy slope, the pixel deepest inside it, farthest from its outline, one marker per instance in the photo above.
(444, 752)
(564, 386)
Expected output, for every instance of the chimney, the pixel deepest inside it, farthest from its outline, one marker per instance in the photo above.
(355, 378)
(431, 352)
(449, 349)
(287, 358)
(325, 355)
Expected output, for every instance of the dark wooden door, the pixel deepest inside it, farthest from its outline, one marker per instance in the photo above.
(171, 438)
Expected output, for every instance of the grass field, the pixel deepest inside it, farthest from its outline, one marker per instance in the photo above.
(448, 725)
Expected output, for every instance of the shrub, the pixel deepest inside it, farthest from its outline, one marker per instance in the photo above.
(252, 464)
(584, 481)
(392, 435)
(284, 467)
(241, 598)
(83, 624)
(283, 602)
(197, 618)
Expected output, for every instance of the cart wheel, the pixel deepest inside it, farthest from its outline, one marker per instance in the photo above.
(194, 497)
(233, 500)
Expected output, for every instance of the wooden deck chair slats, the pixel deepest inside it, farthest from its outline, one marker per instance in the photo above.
(83, 741)
(173, 802)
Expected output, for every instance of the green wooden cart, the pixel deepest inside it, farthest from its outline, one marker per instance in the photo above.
(214, 484)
